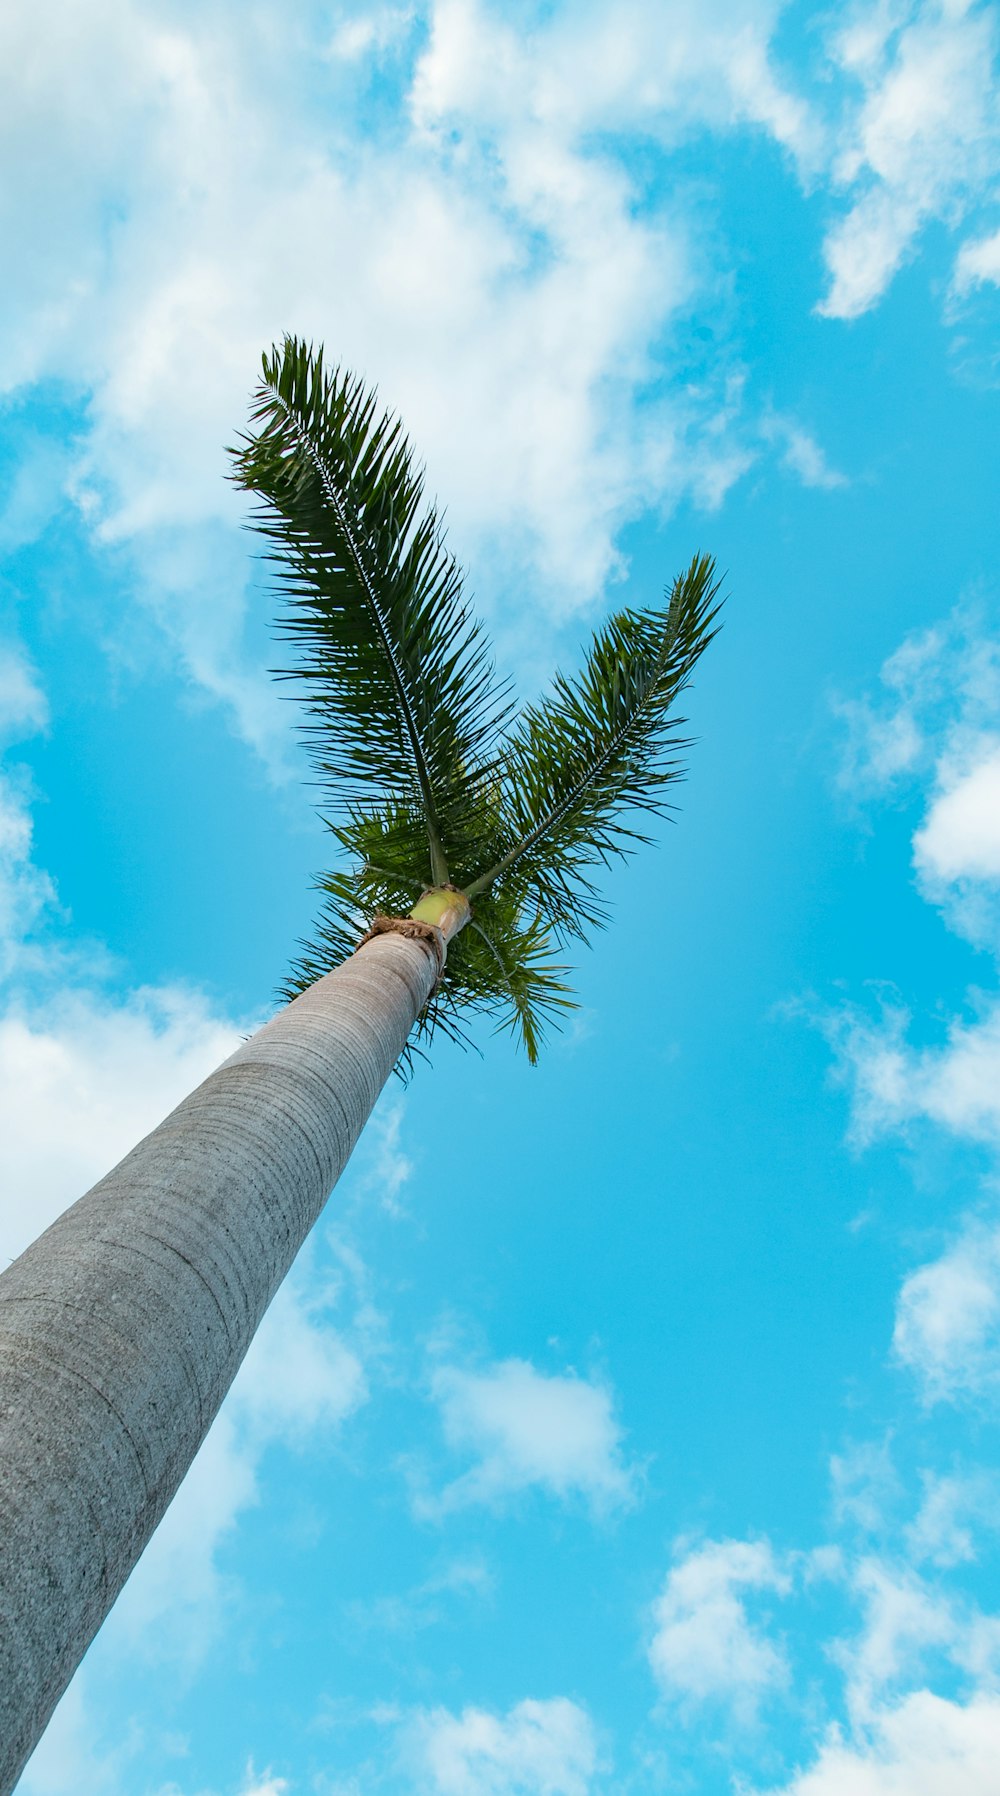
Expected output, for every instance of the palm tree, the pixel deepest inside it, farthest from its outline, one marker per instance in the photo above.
(470, 837)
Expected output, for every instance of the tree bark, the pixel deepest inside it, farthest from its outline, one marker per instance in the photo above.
(122, 1327)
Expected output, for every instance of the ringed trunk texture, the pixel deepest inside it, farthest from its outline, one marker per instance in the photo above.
(122, 1327)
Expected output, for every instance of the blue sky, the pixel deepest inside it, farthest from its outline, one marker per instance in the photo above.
(629, 1424)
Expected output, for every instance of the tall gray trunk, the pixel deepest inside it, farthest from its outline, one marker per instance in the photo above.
(122, 1327)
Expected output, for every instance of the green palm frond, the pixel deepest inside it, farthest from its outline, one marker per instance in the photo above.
(427, 776)
(400, 689)
(603, 744)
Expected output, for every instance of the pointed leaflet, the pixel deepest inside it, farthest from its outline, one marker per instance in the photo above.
(401, 693)
(601, 744)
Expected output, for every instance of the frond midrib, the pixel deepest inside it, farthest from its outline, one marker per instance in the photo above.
(439, 866)
(555, 815)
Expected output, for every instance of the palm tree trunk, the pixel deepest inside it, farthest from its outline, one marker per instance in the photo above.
(122, 1327)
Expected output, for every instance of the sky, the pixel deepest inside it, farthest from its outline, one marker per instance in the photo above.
(629, 1424)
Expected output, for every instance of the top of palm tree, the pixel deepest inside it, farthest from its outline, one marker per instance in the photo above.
(430, 776)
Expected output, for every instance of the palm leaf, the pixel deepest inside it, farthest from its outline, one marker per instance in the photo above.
(426, 779)
(401, 695)
(601, 745)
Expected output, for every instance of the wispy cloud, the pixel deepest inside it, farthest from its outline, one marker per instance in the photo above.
(527, 1429)
(539, 1748)
(705, 1646)
(801, 454)
(516, 282)
(894, 1083)
(921, 144)
(865, 1486)
(948, 1318)
(424, 1604)
(977, 264)
(928, 736)
(266, 1785)
(513, 287)
(715, 1640)
(955, 1508)
(24, 708)
(902, 1621)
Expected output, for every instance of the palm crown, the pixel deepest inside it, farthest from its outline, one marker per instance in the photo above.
(430, 776)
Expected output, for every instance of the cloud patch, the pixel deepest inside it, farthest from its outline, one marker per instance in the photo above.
(921, 143)
(947, 1330)
(515, 286)
(926, 1745)
(539, 1748)
(706, 1646)
(978, 264)
(530, 1430)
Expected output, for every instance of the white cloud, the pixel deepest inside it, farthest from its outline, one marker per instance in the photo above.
(932, 717)
(374, 32)
(237, 212)
(263, 1786)
(539, 1748)
(978, 264)
(705, 1646)
(509, 284)
(923, 140)
(941, 1532)
(865, 1486)
(26, 892)
(903, 1620)
(931, 728)
(298, 1377)
(926, 1745)
(802, 455)
(960, 838)
(955, 1085)
(576, 69)
(84, 1073)
(899, 731)
(909, 1612)
(34, 488)
(23, 706)
(386, 1167)
(425, 1604)
(948, 1318)
(526, 1428)
(865, 251)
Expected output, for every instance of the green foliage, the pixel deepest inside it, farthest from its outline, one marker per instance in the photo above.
(428, 776)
